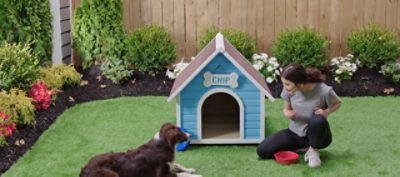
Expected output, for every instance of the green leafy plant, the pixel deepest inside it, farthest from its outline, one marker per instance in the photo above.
(116, 70)
(301, 45)
(18, 68)
(16, 104)
(374, 46)
(391, 70)
(57, 76)
(98, 31)
(151, 48)
(242, 41)
(28, 22)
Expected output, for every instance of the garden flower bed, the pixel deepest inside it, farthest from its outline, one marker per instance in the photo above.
(365, 82)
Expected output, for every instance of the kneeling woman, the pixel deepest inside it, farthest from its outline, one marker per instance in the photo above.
(307, 103)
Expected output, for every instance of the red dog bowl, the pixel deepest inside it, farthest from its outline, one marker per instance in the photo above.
(286, 157)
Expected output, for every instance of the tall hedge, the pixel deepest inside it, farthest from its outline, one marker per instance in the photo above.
(98, 31)
(28, 22)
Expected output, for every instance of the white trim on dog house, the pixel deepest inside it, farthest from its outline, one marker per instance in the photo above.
(220, 90)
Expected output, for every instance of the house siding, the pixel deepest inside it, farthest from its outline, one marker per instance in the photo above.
(246, 90)
(61, 12)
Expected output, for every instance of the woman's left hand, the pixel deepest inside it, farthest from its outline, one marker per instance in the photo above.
(320, 111)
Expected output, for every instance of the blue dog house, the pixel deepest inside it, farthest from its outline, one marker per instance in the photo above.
(220, 97)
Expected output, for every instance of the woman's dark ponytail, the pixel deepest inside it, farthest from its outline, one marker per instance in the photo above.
(314, 75)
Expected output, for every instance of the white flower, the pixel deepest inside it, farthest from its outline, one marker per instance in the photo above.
(178, 68)
(170, 74)
(350, 55)
(270, 79)
(256, 57)
(277, 72)
(264, 55)
(273, 59)
(358, 62)
(257, 66)
(337, 80)
(353, 67)
(344, 66)
(270, 68)
(265, 60)
(273, 62)
(181, 66)
(341, 59)
(334, 61)
(260, 62)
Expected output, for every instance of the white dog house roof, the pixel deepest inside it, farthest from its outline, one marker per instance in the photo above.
(216, 46)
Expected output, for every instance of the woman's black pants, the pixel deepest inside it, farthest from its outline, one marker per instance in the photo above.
(318, 136)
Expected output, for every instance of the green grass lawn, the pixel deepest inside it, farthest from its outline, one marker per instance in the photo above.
(365, 140)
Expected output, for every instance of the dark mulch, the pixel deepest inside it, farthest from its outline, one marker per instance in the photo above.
(365, 82)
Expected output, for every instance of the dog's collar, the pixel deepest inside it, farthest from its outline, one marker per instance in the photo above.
(157, 136)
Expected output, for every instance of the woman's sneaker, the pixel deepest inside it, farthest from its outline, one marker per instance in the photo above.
(312, 157)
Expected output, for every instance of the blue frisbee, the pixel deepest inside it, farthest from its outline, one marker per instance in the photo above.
(182, 146)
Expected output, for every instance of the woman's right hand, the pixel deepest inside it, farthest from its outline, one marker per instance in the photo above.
(288, 111)
(289, 114)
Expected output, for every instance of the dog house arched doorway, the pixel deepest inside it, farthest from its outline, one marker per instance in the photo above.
(221, 115)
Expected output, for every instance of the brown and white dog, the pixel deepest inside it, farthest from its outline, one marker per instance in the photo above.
(153, 159)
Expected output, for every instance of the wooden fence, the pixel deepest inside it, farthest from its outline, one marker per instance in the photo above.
(262, 19)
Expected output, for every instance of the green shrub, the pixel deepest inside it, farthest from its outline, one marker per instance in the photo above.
(116, 70)
(28, 21)
(302, 45)
(16, 104)
(242, 41)
(18, 68)
(98, 31)
(391, 70)
(53, 81)
(374, 46)
(59, 75)
(151, 48)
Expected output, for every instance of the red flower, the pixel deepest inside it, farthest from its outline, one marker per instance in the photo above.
(7, 130)
(41, 95)
(5, 117)
(6, 126)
